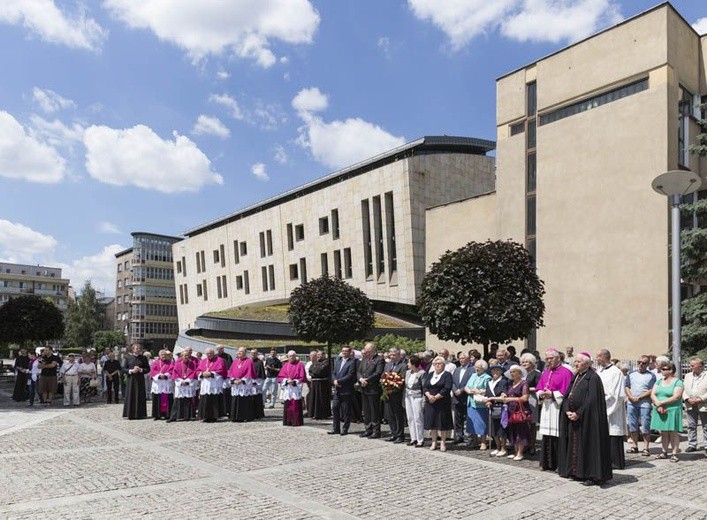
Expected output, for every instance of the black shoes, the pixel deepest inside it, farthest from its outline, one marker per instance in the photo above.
(374, 436)
(690, 449)
(333, 432)
(399, 440)
(366, 434)
(344, 433)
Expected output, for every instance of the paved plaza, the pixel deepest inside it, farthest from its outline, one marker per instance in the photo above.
(88, 462)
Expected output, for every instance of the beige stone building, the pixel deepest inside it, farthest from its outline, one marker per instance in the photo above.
(581, 134)
(37, 280)
(365, 224)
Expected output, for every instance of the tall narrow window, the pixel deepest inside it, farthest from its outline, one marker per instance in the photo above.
(239, 282)
(181, 295)
(268, 239)
(219, 295)
(223, 255)
(531, 166)
(348, 268)
(271, 272)
(303, 270)
(367, 246)
(324, 225)
(224, 285)
(299, 232)
(236, 254)
(337, 263)
(531, 182)
(325, 264)
(262, 244)
(264, 278)
(186, 293)
(378, 234)
(246, 282)
(198, 263)
(290, 238)
(184, 266)
(335, 224)
(684, 113)
(390, 233)
(294, 272)
(217, 256)
(244, 248)
(206, 292)
(203, 262)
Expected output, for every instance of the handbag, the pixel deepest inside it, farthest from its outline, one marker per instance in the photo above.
(519, 415)
(93, 383)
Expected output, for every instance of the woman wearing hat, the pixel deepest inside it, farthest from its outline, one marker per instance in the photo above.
(495, 388)
(517, 399)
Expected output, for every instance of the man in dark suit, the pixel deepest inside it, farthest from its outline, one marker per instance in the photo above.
(370, 370)
(344, 378)
(460, 377)
(394, 405)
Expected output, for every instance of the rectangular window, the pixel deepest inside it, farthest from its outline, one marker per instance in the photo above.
(390, 234)
(120, 268)
(184, 266)
(224, 286)
(532, 134)
(378, 233)
(324, 259)
(299, 232)
(186, 293)
(219, 294)
(262, 244)
(268, 240)
(335, 224)
(271, 271)
(294, 272)
(530, 215)
(199, 290)
(348, 268)
(324, 225)
(236, 255)
(206, 292)
(303, 270)
(203, 262)
(264, 278)
(198, 263)
(517, 128)
(181, 295)
(246, 282)
(532, 173)
(223, 255)
(244, 248)
(531, 99)
(367, 247)
(337, 263)
(684, 113)
(217, 257)
(290, 238)
(239, 282)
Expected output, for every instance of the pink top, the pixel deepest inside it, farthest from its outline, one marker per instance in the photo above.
(555, 380)
(181, 370)
(214, 365)
(292, 371)
(242, 368)
(160, 367)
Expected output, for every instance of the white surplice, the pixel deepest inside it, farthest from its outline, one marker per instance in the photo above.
(614, 390)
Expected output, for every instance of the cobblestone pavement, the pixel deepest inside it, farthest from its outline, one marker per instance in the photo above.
(88, 462)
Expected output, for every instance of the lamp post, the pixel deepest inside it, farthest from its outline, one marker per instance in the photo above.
(674, 184)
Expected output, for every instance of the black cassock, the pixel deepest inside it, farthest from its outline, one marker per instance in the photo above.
(258, 405)
(21, 390)
(135, 400)
(584, 450)
(319, 402)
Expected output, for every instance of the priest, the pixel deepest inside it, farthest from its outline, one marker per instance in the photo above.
(135, 368)
(184, 377)
(584, 451)
(162, 385)
(614, 384)
(319, 402)
(227, 360)
(551, 388)
(241, 377)
(291, 379)
(22, 373)
(211, 373)
(259, 401)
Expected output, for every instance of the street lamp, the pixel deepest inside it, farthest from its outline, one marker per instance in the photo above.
(674, 184)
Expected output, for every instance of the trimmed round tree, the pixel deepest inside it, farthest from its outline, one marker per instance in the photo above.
(30, 319)
(482, 292)
(329, 310)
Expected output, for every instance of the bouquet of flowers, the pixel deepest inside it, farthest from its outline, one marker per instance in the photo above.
(391, 382)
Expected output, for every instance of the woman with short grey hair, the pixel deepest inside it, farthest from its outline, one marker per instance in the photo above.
(438, 408)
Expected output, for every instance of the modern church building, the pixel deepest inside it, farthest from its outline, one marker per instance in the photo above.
(580, 136)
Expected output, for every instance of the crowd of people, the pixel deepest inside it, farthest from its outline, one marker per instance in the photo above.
(582, 407)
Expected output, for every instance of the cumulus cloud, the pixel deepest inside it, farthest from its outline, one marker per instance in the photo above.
(222, 75)
(258, 169)
(55, 133)
(108, 228)
(247, 29)
(44, 19)
(522, 20)
(206, 125)
(280, 154)
(137, 156)
(22, 156)
(99, 268)
(700, 26)
(19, 243)
(228, 102)
(49, 101)
(310, 100)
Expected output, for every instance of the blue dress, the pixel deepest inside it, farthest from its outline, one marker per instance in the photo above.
(477, 422)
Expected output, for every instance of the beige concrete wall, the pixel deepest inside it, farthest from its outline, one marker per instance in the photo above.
(510, 98)
(510, 185)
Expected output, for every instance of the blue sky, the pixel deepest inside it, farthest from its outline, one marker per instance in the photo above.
(160, 115)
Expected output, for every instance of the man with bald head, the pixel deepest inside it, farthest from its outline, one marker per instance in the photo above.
(370, 370)
(584, 447)
(614, 384)
(550, 391)
(211, 373)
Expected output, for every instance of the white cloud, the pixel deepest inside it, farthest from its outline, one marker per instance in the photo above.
(522, 20)
(284, 60)
(280, 154)
(258, 169)
(228, 102)
(22, 156)
(108, 228)
(384, 45)
(137, 156)
(99, 268)
(55, 133)
(310, 100)
(49, 101)
(222, 75)
(700, 26)
(44, 19)
(206, 125)
(246, 28)
(19, 243)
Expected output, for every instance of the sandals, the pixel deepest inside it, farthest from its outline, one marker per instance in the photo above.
(646, 453)
(632, 450)
(674, 458)
(663, 455)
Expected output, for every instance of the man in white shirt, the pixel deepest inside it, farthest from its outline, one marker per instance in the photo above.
(695, 399)
(615, 393)
(69, 373)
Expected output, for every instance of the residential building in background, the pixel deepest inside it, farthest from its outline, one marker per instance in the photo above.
(145, 302)
(364, 224)
(581, 134)
(37, 280)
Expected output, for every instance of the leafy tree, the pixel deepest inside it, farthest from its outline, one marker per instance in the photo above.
(103, 339)
(329, 310)
(84, 317)
(388, 341)
(482, 292)
(30, 318)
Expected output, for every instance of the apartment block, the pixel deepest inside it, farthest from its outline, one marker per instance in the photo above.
(38, 280)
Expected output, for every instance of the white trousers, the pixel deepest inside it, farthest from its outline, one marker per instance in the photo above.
(413, 410)
(71, 390)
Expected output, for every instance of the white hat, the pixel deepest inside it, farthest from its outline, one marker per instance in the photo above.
(523, 371)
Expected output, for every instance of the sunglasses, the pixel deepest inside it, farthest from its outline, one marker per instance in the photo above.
(665, 368)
